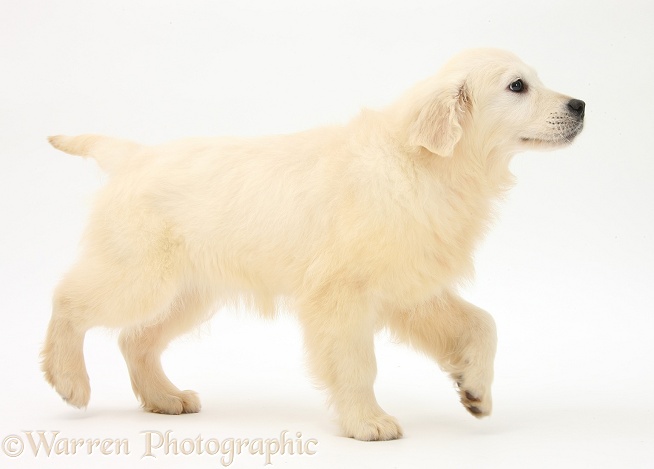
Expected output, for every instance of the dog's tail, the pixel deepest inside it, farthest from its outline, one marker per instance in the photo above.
(109, 152)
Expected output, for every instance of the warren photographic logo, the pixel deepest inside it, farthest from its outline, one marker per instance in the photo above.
(154, 444)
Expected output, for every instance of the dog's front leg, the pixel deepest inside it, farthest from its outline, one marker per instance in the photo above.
(339, 329)
(461, 338)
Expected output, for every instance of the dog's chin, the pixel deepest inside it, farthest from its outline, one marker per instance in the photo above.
(542, 144)
(550, 142)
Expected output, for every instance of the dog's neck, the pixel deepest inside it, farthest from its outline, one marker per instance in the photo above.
(481, 164)
(471, 166)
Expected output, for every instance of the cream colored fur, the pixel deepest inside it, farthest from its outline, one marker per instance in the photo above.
(355, 228)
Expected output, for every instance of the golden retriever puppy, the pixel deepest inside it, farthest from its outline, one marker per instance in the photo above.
(357, 227)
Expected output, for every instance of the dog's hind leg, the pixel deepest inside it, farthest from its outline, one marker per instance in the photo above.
(142, 347)
(63, 354)
(111, 290)
(339, 329)
(461, 338)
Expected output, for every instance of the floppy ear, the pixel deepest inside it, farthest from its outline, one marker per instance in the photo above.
(437, 126)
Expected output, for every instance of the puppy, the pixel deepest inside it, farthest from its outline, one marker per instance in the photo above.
(358, 227)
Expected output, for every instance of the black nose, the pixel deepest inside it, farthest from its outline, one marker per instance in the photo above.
(577, 107)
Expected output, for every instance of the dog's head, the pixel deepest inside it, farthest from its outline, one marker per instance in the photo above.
(492, 99)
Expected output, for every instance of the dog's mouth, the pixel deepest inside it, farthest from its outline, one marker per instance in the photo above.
(561, 137)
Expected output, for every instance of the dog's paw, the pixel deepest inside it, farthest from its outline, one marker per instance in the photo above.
(478, 403)
(477, 406)
(183, 402)
(380, 427)
(73, 386)
(74, 389)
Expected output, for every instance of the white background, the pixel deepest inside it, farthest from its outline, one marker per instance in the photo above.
(567, 270)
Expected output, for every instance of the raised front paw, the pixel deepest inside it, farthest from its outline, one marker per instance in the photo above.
(477, 400)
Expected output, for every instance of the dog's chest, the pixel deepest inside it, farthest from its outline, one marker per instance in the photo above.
(439, 240)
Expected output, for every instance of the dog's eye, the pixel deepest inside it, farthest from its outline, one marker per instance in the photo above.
(517, 86)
